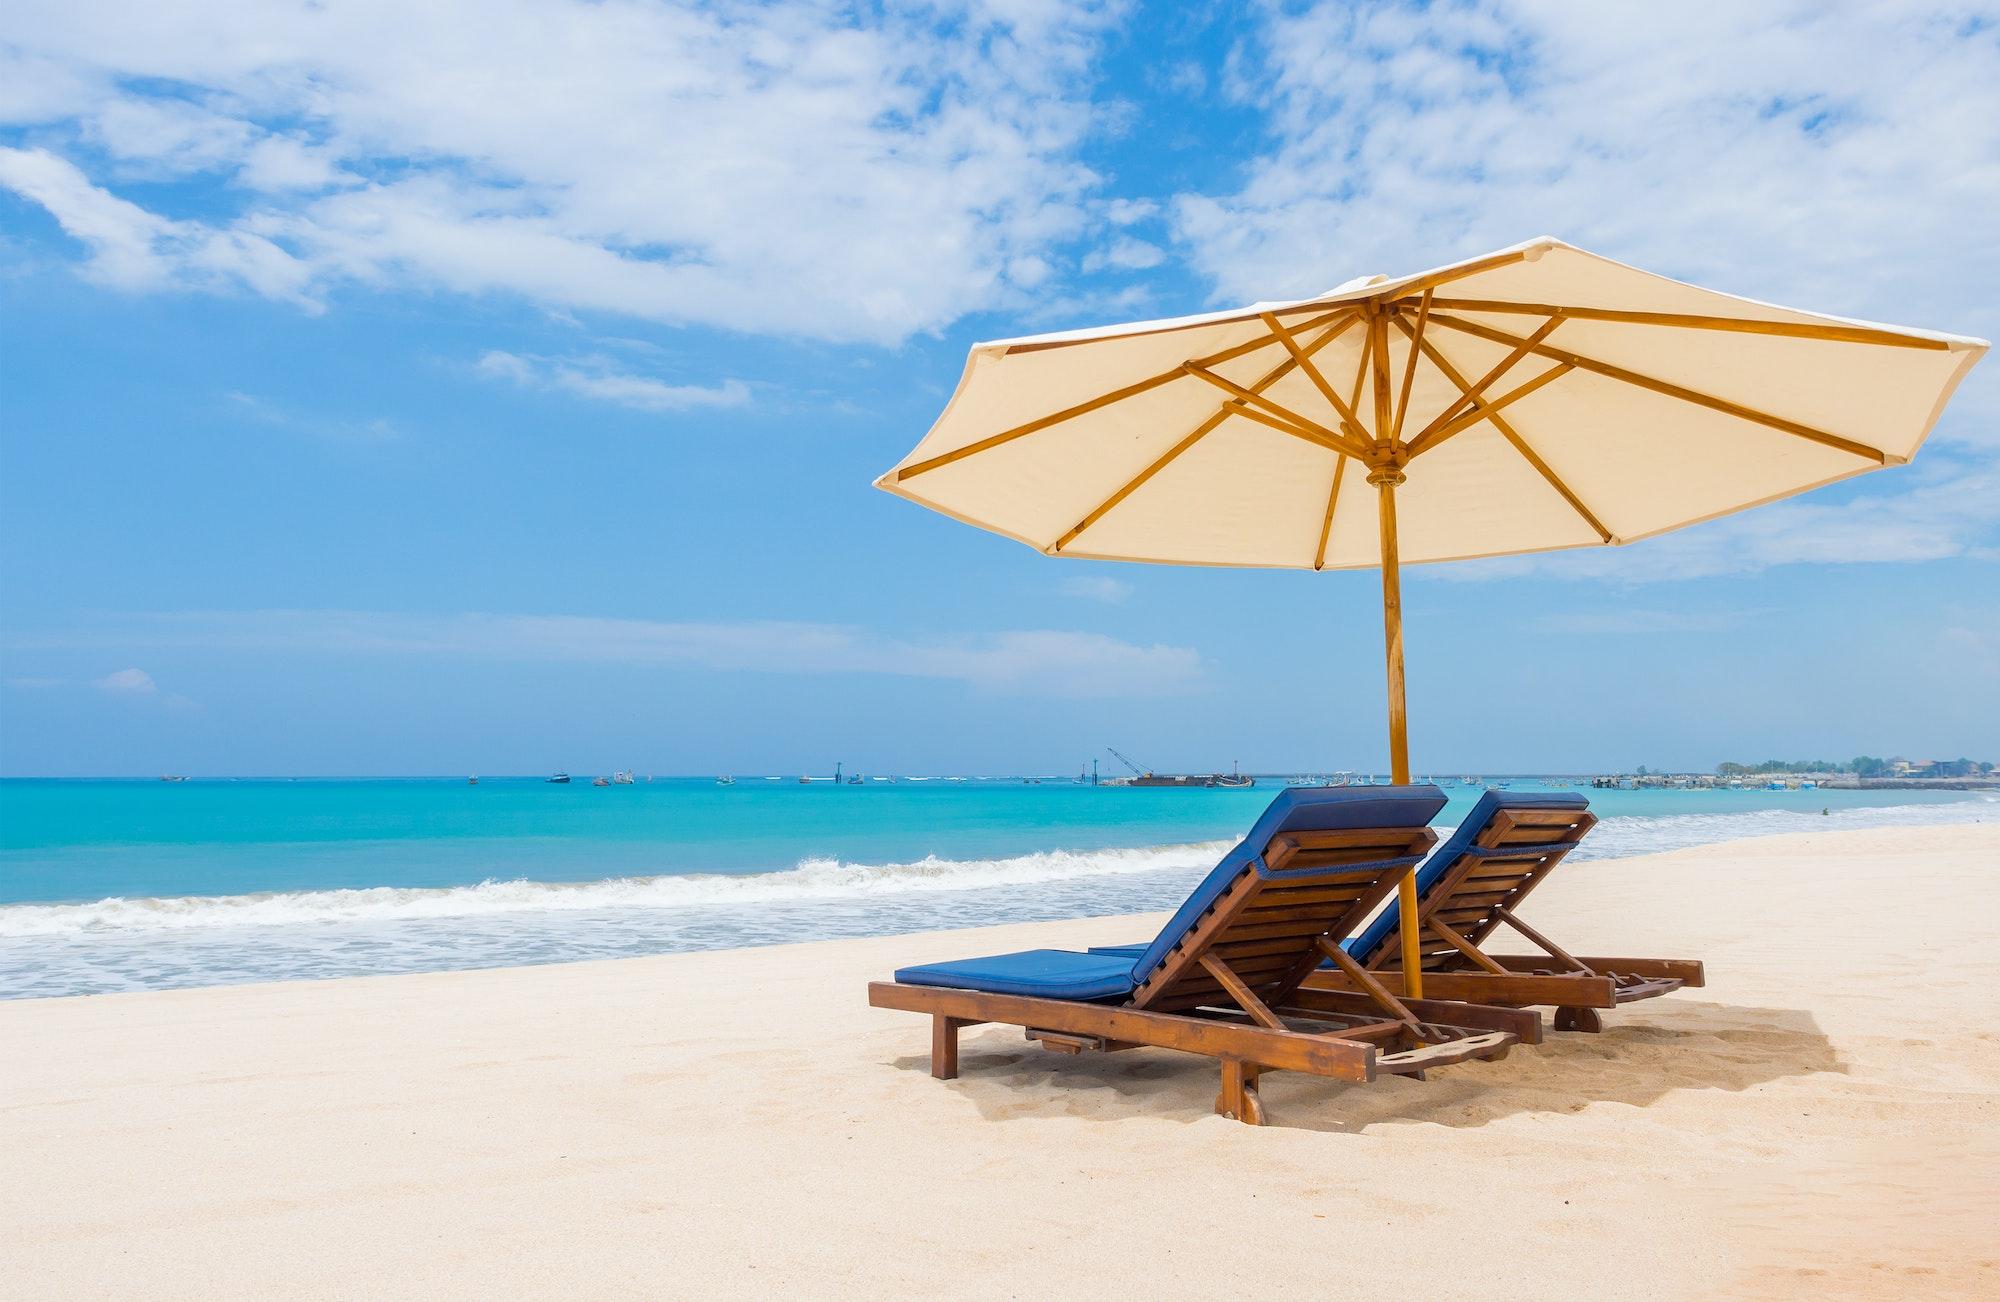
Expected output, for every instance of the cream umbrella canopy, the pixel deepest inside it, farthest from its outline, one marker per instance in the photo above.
(1533, 399)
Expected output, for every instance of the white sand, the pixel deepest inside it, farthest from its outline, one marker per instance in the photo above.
(1822, 1120)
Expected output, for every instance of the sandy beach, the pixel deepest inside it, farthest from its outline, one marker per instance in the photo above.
(1822, 1120)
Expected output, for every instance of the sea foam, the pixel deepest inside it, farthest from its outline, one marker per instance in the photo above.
(1085, 881)
(156, 944)
(812, 880)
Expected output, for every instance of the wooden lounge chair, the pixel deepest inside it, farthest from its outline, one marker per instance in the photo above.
(1475, 882)
(1223, 979)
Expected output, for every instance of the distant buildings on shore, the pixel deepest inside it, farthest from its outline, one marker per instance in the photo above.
(1792, 775)
(1862, 766)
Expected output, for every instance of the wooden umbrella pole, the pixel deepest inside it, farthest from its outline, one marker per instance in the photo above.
(1385, 471)
(1385, 480)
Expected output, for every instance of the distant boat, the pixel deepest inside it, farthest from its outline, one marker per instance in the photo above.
(173, 777)
(472, 781)
(855, 781)
(724, 781)
(1234, 778)
(600, 782)
(561, 778)
(623, 778)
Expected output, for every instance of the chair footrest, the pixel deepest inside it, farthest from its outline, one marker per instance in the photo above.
(1626, 989)
(1063, 1042)
(1481, 1044)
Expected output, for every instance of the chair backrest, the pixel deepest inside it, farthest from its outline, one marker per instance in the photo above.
(1508, 842)
(1315, 864)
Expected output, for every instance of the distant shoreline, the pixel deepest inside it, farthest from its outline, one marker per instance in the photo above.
(1837, 782)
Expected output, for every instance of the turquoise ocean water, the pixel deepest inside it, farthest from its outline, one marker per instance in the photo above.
(120, 885)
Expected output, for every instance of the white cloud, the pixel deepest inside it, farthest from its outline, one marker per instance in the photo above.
(1130, 212)
(128, 682)
(136, 685)
(1840, 157)
(600, 379)
(1097, 587)
(134, 249)
(1124, 254)
(817, 169)
(1034, 662)
(339, 429)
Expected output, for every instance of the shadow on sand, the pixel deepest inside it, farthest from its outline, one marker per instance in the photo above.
(1640, 1056)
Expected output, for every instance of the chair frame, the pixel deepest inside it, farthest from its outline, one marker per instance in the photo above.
(1232, 988)
(1509, 858)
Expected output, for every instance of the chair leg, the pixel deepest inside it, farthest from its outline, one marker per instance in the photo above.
(944, 1046)
(1238, 1099)
(1578, 1019)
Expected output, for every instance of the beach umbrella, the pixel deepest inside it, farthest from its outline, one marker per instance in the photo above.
(1533, 399)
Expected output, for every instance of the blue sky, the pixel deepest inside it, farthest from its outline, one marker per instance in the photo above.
(498, 388)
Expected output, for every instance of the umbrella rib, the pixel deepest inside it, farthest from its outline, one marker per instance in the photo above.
(1349, 422)
(1360, 378)
(1222, 413)
(1318, 438)
(1851, 334)
(1513, 437)
(1338, 319)
(1104, 508)
(1428, 436)
(1340, 466)
(1410, 365)
(1378, 353)
(1332, 498)
(1276, 412)
(1671, 390)
(1092, 404)
(1484, 407)
(1436, 278)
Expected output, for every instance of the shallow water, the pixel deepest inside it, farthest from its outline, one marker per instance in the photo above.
(143, 885)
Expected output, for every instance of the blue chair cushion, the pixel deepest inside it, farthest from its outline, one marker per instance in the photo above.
(1365, 946)
(1127, 951)
(1296, 809)
(1042, 973)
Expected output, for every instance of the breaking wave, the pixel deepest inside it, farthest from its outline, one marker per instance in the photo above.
(1075, 883)
(812, 880)
(157, 944)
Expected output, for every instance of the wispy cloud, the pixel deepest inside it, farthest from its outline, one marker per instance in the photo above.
(122, 684)
(1126, 254)
(1096, 587)
(1033, 662)
(132, 248)
(128, 682)
(818, 170)
(601, 379)
(278, 416)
